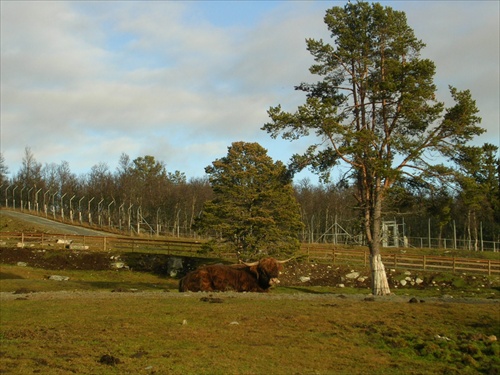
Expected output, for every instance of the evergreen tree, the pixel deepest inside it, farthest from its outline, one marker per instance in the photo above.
(374, 110)
(254, 207)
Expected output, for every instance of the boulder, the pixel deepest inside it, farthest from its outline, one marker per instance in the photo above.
(64, 241)
(58, 278)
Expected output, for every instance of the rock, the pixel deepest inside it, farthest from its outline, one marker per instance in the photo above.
(22, 264)
(418, 281)
(413, 300)
(78, 246)
(442, 338)
(341, 285)
(58, 278)
(139, 354)
(407, 273)
(361, 279)
(174, 265)
(352, 275)
(117, 265)
(402, 282)
(64, 242)
(20, 244)
(107, 359)
(234, 323)
(305, 279)
(211, 300)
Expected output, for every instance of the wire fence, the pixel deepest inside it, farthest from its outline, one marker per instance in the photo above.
(352, 257)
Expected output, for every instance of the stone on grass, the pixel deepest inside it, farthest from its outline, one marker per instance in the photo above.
(58, 278)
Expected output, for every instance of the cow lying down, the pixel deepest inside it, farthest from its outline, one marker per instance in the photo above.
(247, 277)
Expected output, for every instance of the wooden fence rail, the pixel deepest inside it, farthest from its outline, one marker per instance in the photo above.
(192, 248)
(416, 262)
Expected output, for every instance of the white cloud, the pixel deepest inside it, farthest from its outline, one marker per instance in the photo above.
(463, 39)
(87, 81)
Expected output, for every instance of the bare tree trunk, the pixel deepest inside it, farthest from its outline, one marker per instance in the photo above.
(380, 285)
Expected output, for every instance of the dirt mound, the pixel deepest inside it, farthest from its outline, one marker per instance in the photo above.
(306, 274)
(56, 260)
(294, 273)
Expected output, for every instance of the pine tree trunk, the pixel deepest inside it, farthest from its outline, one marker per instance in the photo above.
(380, 286)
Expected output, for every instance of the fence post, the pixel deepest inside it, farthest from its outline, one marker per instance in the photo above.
(104, 241)
(333, 251)
(489, 267)
(429, 232)
(454, 259)
(425, 263)
(395, 260)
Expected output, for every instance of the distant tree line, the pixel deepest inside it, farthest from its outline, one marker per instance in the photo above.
(141, 195)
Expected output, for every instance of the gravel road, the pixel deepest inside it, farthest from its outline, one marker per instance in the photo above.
(56, 227)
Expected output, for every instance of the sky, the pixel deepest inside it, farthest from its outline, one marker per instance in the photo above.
(84, 82)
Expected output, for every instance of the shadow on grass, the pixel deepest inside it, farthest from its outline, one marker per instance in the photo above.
(9, 276)
(123, 286)
(295, 289)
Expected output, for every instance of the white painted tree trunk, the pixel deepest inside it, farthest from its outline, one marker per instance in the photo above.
(380, 286)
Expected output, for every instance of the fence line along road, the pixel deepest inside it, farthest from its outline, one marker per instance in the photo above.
(193, 248)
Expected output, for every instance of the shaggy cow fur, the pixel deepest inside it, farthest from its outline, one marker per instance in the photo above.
(238, 277)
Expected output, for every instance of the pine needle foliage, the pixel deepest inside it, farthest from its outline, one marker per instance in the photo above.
(254, 209)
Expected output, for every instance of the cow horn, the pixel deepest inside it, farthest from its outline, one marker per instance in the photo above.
(250, 264)
(284, 261)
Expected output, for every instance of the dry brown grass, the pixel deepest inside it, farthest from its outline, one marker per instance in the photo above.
(244, 334)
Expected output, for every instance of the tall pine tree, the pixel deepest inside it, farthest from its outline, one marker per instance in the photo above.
(374, 110)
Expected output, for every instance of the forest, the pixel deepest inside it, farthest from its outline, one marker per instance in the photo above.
(142, 196)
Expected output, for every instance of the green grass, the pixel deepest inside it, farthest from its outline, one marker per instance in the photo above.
(14, 278)
(321, 335)
(292, 330)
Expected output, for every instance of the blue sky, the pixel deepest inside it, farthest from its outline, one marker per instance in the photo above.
(84, 82)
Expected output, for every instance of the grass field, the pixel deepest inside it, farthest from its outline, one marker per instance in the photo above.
(80, 326)
(173, 333)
